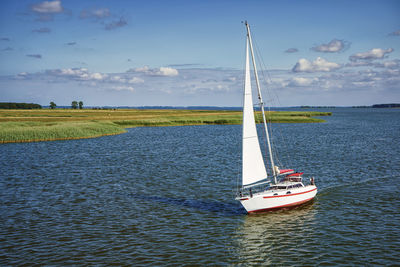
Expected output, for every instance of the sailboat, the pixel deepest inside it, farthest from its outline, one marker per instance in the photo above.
(258, 192)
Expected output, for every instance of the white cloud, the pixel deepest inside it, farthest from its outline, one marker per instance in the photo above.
(230, 79)
(136, 80)
(48, 7)
(123, 88)
(98, 76)
(81, 74)
(301, 81)
(333, 46)
(144, 69)
(389, 64)
(121, 81)
(22, 76)
(117, 78)
(375, 53)
(320, 64)
(121, 78)
(78, 73)
(166, 71)
(163, 71)
(359, 64)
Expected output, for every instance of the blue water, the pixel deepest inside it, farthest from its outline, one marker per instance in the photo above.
(164, 195)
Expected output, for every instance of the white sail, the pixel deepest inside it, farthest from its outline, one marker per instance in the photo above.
(253, 168)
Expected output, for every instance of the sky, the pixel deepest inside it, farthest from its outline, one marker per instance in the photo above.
(192, 53)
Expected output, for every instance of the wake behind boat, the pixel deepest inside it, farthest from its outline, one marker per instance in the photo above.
(257, 193)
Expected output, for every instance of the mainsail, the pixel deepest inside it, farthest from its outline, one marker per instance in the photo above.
(253, 168)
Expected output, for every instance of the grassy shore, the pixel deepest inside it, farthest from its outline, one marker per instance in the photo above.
(61, 124)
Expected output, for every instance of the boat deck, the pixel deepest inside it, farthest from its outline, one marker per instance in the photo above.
(282, 188)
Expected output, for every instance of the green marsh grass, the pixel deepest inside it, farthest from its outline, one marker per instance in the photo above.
(60, 124)
(47, 131)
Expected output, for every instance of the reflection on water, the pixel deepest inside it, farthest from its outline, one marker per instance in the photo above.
(276, 237)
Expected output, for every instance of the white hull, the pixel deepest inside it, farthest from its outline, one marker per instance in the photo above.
(277, 199)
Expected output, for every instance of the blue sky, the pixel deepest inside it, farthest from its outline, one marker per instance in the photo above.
(183, 53)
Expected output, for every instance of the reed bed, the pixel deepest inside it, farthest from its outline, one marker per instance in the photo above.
(60, 124)
(39, 131)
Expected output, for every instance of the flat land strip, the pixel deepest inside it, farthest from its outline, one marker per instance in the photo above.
(62, 124)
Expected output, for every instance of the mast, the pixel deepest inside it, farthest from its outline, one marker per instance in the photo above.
(261, 102)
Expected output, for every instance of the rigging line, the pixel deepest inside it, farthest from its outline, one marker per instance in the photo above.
(267, 82)
(268, 123)
(273, 98)
(261, 61)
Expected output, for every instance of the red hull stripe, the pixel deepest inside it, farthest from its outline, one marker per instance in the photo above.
(283, 206)
(289, 195)
(244, 198)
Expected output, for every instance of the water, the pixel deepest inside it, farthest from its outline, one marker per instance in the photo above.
(164, 196)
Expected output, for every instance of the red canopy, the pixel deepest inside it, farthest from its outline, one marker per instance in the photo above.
(295, 174)
(285, 171)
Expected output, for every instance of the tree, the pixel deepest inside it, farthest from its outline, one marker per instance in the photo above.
(74, 105)
(80, 104)
(53, 105)
(11, 105)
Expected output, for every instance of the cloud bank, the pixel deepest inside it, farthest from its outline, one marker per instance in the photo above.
(47, 9)
(375, 53)
(320, 64)
(163, 71)
(332, 47)
(217, 86)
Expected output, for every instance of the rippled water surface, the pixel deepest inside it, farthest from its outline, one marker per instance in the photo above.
(159, 196)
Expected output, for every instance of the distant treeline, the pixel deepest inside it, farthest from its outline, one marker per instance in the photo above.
(386, 105)
(173, 107)
(6, 105)
(393, 105)
(317, 106)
